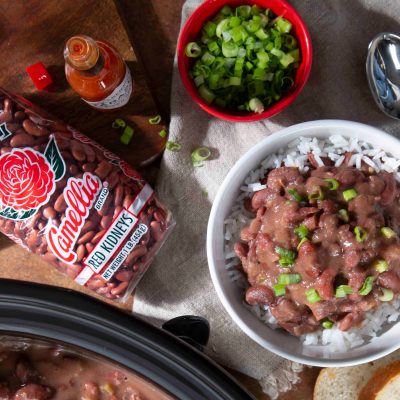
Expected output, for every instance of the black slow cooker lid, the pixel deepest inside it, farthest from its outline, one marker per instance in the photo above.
(79, 320)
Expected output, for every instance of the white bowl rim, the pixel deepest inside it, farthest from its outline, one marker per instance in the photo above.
(273, 138)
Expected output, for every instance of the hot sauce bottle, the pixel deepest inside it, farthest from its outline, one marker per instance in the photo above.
(97, 72)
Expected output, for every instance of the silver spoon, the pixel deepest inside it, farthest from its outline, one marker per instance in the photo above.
(383, 72)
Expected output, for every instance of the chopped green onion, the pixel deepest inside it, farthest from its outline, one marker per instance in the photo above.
(222, 26)
(302, 241)
(361, 234)
(387, 295)
(317, 195)
(283, 25)
(349, 194)
(312, 296)
(381, 266)
(367, 286)
(118, 123)
(256, 105)
(155, 120)
(295, 195)
(279, 290)
(243, 11)
(327, 324)
(163, 133)
(388, 232)
(226, 10)
(301, 231)
(288, 279)
(210, 29)
(206, 94)
(173, 146)
(343, 291)
(287, 257)
(230, 49)
(344, 215)
(333, 184)
(127, 135)
(192, 49)
(199, 155)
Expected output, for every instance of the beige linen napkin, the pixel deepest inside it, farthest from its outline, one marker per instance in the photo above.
(179, 281)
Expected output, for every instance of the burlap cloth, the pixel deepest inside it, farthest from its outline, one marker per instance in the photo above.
(179, 281)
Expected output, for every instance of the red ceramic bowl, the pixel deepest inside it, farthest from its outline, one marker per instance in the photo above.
(205, 12)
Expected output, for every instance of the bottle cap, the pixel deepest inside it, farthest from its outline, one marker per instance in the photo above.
(81, 52)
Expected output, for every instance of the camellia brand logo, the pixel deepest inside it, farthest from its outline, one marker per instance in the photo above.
(80, 196)
(28, 179)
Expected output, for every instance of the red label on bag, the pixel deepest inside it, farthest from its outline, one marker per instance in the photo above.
(80, 196)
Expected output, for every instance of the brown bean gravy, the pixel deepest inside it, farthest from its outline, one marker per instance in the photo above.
(44, 372)
(323, 247)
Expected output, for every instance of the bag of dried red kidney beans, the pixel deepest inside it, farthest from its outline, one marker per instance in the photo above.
(76, 204)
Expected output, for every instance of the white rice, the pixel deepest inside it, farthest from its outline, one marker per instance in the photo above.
(295, 155)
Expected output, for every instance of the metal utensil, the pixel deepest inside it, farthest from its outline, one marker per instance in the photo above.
(383, 72)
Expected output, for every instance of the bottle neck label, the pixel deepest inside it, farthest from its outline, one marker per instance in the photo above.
(119, 96)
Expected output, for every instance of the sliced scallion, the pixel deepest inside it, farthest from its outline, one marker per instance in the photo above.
(199, 155)
(349, 194)
(288, 279)
(279, 289)
(127, 135)
(302, 241)
(387, 232)
(381, 266)
(387, 295)
(173, 146)
(327, 324)
(294, 193)
(256, 105)
(318, 194)
(360, 233)
(343, 291)
(333, 184)
(155, 120)
(118, 123)
(301, 231)
(367, 286)
(287, 257)
(312, 296)
(192, 49)
(344, 215)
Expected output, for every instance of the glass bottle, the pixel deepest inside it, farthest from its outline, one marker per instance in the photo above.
(97, 72)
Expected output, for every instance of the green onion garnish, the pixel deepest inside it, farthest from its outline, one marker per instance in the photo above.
(118, 123)
(279, 289)
(301, 231)
(343, 291)
(333, 184)
(302, 241)
(245, 58)
(127, 135)
(163, 133)
(327, 324)
(288, 279)
(349, 194)
(312, 296)
(295, 195)
(317, 195)
(155, 120)
(381, 266)
(256, 105)
(287, 257)
(173, 146)
(192, 49)
(199, 155)
(367, 286)
(344, 215)
(387, 295)
(361, 234)
(388, 232)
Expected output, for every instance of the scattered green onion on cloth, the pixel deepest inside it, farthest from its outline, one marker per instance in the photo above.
(178, 282)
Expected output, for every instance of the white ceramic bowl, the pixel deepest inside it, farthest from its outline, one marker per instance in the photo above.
(231, 295)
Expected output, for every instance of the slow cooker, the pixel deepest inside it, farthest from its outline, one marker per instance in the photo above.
(72, 319)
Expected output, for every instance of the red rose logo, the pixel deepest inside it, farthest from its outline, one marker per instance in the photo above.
(26, 180)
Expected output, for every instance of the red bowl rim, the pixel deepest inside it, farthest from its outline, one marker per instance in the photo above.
(277, 107)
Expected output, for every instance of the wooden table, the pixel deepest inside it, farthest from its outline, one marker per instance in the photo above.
(145, 33)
